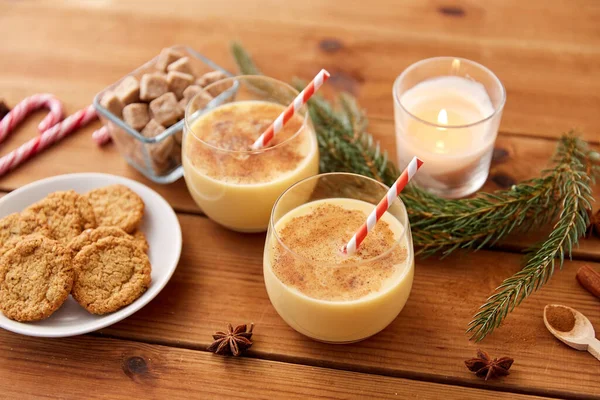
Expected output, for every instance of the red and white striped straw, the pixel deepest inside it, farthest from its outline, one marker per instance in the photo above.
(47, 138)
(27, 106)
(285, 116)
(383, 205)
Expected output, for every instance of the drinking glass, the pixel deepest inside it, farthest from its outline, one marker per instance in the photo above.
(336, 320)
(237, 188)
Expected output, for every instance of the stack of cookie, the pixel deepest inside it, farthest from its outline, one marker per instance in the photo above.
(85, 245)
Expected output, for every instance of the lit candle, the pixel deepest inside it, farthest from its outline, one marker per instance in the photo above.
(450, 122)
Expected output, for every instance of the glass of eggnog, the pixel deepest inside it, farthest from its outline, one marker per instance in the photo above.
(233, 184)
(315, 287)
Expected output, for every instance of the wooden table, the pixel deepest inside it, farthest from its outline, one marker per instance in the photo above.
(547, 53)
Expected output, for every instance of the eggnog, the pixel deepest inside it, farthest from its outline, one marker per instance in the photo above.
(233, 185)
(325, 294)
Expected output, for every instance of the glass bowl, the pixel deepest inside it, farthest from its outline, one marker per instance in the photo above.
(138, 149)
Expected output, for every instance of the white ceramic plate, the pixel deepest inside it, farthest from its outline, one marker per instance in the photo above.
(160, 225)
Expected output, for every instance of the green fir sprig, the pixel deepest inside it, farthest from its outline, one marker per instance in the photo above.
(573, 194)
(441, 226)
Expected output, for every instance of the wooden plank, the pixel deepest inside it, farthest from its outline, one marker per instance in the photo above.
(219, 280)
(548, 60)
(90, 367)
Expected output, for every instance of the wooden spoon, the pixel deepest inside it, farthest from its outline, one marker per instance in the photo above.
(581, 337)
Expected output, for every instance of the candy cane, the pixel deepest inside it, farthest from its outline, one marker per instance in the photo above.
(47, 138)
(27, 106)
(101, 136)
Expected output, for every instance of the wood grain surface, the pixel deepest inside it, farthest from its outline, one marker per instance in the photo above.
(547, 54)
(221, 281)
(116, 369)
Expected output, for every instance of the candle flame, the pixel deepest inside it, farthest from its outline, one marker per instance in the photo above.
(442, 120)
(455, 66)
(443, 117)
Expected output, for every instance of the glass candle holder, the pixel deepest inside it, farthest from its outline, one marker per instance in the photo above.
(447, 112)
(233, 184)
(321, 292)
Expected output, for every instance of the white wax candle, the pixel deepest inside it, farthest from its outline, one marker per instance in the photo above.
(451, 153)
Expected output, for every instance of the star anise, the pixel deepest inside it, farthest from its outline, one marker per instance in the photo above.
(485, 367)
(233, 342)
(594, 225)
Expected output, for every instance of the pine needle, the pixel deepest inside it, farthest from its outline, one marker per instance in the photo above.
(441, 226)
(570, 179)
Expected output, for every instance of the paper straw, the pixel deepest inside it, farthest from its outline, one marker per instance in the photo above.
(285, 116)
(383, 205)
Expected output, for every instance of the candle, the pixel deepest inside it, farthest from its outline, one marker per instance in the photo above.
(450, 122)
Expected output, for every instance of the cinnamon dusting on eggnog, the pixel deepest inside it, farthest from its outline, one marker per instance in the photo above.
(322, 271)
(234, 128)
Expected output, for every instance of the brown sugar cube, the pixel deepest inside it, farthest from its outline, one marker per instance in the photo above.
(165, 109)
(153, 86)
(181, 65)
(166, 57)
(136, 115)
(161, 151)
(160, 169)
(193, 90)
(128, 90)
(178, 82)
(189, 93)
(178, 137)
(112, 103)
(200, 97)
(176, 153)
(127, 144)
(210, 77)
(183, 104)
(152, 129)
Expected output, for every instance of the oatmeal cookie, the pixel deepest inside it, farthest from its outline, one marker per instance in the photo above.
(90, 236)
(111, 274)
(117, 205)
(14, 227)
(65, 214)
(36, 277)
(140, 239)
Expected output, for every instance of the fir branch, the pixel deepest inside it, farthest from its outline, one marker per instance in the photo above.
(243, 60)
(344, 145)
(575, 194)
(442, 225)
(446, 225)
